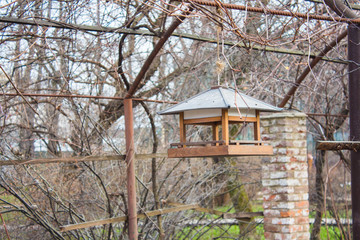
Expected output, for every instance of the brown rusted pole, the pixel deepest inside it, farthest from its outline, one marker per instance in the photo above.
(82, 96)
(354, 102)
(129, 128)
(354, 99)
(274, 11)
(130, 170)
(298, 81)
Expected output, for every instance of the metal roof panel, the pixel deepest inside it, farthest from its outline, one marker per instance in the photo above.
(220, 97)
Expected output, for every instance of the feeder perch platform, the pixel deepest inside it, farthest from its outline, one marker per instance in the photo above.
(218, 149)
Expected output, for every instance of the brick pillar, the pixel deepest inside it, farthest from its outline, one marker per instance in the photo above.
(285, 177)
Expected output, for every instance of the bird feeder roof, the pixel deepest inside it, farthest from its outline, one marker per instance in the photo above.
(219, 98)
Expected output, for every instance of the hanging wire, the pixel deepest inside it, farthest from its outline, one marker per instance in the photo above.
(223, 54)
(220, 65)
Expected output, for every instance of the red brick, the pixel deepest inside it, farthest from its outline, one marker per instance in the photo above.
(301, 189)
(302, 204)
(290, 213)
(272, 228)
(268, 235)
(302, 220)
(270, 198)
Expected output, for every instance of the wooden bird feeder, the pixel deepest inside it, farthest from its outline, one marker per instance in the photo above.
(219, 106)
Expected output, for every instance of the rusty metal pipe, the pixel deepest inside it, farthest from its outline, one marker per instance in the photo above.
(82, 96)
(305, 16)
(130, 170)
(354, 99)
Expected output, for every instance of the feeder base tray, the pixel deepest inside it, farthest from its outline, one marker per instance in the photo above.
(221, 151)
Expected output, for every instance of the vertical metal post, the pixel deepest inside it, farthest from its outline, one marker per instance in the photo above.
(354, 99)
(130, 162)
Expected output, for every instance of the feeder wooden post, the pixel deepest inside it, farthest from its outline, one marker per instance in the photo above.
(130, 170)
(225, 126)
(182, 129)
(257, 127)
(215, 132)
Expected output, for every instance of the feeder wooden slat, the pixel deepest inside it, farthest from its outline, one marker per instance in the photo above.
(239, 142)
(207, 143)
(236, 119)
(208, 120)
(217, 120)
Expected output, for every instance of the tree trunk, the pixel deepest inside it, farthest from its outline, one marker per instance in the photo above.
(319, 200)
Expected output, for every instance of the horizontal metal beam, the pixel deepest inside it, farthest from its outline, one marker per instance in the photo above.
(275, 12)
(241, 215)
(62, 25)
(80, 159)
(229, 222)
(82, 96)
(338, 145)
(102, 29)
(199, 209)
(124, 218)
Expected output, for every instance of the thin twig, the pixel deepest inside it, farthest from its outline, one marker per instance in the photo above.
(7, 233)
(17, 90)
